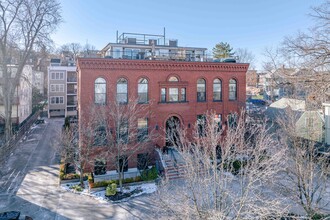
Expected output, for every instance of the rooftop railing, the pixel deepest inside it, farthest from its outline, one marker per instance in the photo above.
(174, 56)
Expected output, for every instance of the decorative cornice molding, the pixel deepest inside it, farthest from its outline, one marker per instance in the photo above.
(112, 64)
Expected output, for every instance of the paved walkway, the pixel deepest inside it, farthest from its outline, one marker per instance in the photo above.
(29, 184)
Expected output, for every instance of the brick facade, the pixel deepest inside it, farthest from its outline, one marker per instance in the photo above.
(157, 73)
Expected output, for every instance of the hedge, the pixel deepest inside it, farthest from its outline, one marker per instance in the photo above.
(105, 183)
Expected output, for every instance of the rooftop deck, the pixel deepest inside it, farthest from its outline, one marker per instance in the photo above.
(172, 56)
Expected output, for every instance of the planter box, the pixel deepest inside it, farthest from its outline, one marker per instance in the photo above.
(137, 183)
(113, 175)
(124, 184)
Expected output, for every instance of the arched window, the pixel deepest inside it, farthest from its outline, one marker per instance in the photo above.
(232, 89)
(122, 90)
(100, 88)
(201, 90)
(143, 90)
(217, 96)
(173, 79)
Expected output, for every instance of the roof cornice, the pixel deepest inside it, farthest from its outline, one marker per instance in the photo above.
(117, 64)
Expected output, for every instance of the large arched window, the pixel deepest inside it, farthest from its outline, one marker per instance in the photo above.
(217, 96)
(232, 89)
(122, 90)
(201, 90)
(100, 89)
(143, 90)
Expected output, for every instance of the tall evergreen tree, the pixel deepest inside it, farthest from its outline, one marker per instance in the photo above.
(222, 50)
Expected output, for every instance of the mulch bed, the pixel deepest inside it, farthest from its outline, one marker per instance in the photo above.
(120, 195)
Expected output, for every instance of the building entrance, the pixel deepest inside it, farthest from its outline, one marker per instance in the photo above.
(172, 136)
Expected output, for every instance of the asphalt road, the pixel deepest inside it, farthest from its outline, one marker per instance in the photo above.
(29, 184)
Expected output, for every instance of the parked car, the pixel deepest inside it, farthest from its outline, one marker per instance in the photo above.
(257, 101)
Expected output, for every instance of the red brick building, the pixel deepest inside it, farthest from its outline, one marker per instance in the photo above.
(184, 90)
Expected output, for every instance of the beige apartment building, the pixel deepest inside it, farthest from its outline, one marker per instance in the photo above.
(62, 90)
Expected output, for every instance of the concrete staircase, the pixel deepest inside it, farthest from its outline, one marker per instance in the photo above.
(173, 170)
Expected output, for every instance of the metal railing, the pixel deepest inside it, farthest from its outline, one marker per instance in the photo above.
(71, 103)
(174, 56)
(160, 155)
(71, 91)
(9, 146)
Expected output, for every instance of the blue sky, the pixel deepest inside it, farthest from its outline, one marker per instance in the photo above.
(251, 24)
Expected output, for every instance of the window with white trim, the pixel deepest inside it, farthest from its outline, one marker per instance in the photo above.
(100, 89)
(57, 76)
(57, 87)
(143, 90)
(173, 94)
(232, 89)
(201, 90)
(217, 96)
(56, 100)
(122, 94)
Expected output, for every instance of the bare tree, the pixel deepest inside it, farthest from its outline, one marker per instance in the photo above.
(130, 133)
(306, 179)
(227, 174)
(74, 48)
(88, 50)
(313, 47)
(294, 80)
(245, 56)
(76, 144)
(311, 51)
(118, 132)
(25, 24)
(270, 66)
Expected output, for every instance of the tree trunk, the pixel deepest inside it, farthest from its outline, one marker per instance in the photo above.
(8, 119)
(120, 180)
(81, 176)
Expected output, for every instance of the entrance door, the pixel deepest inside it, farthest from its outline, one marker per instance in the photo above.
(172, 125)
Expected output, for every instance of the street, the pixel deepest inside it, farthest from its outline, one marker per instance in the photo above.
(29, 184)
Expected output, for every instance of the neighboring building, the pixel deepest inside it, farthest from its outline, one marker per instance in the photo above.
(252, 78)
(67, 59)
(22, 102)
(298, 84)
(38, 81)
(278, 108)
(151, 47)
(62, 90)
(309, 124)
